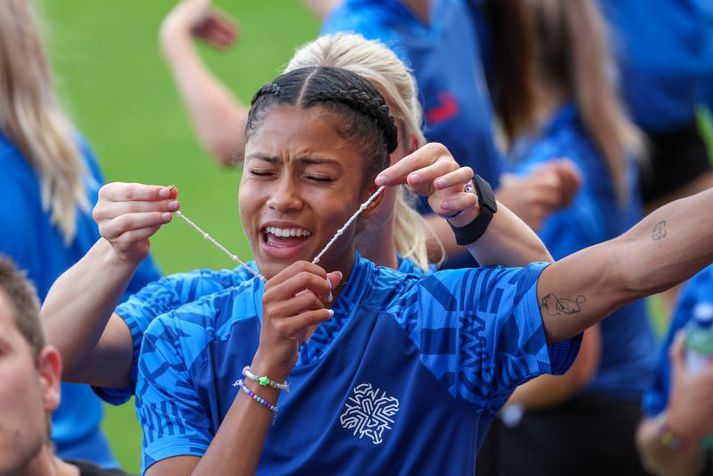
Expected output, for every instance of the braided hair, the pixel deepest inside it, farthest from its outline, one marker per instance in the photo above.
(364, 117)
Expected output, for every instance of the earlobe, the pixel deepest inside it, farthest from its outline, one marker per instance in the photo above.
(413, 145)
(50, 372)
(374, 205)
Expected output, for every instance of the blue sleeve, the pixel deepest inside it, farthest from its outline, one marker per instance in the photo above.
(481, 331)
(367, 24)
(173, 419)
(696, 291)
(160, 297)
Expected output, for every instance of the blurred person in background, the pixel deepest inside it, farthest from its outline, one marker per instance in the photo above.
(30, 374)
(675, 436)
(455, 96)
(583, 422)
(664, 51)
(48, 185)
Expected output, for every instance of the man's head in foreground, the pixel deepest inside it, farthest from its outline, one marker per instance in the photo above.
(29, 379)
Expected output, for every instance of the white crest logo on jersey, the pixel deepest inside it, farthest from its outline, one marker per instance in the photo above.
(369, 411)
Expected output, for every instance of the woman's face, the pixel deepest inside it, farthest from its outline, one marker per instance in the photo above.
(301, 182)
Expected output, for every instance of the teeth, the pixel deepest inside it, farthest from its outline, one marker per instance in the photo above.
(287, 232)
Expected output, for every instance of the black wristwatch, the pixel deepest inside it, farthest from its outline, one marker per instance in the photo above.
(471, 232)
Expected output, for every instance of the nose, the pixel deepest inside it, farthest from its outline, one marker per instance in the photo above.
(286, 196)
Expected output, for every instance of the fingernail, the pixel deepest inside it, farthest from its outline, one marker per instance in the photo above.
(331, 313)
(380, 180)
(165, 192)
(330, 297)
(414, 178)
(166, 216)
(446, 206)
(173, 206)
(439, 183)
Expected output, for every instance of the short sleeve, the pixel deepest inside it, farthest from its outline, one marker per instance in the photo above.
(160, 297)
(481, 331)
(171, 414)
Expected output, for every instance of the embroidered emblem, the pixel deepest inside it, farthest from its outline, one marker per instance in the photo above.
(369, 411)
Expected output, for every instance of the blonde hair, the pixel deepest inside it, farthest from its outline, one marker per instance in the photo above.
(379, 65)
(576, 59)
(31, 117)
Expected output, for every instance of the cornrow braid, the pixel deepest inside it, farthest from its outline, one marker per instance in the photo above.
(341, 92)
(372, 106)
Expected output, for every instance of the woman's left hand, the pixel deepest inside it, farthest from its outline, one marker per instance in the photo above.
(432, 172)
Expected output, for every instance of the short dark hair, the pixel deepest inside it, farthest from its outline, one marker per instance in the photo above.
(25, 307)
(347, 95)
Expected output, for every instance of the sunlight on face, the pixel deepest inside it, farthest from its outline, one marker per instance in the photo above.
(301, 182)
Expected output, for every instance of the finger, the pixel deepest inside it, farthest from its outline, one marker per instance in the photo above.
(676, 352)
(113, 228)
(458, 177)
(112, 210)
(134, 236)
(294, 325)
(223, 23)
(397, 173)
(458, 202)
(305, 301)
(119, 192)
(442, 166)
(293, 269)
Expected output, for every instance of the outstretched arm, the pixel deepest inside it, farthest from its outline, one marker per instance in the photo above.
(95, 344)
(665, 248)
(216, 114)
(508, 241)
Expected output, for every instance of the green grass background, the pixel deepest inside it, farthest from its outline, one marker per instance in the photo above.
(118, 89)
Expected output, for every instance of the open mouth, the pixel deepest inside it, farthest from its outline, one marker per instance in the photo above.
(284, 242)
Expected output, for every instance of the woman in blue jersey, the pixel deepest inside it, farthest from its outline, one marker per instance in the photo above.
(48, 184)
(583, 121)
(403, 373)
(100, 343)
(442, 51)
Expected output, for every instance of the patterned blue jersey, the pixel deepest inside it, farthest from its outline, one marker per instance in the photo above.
(629, 347)
(695, 295)
(171, 292)
(405, 378)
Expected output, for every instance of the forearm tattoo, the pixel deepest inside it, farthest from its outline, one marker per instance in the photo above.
(553, 305)
(659, 231)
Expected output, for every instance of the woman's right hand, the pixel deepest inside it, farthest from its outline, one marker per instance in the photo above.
(199, 19)
(128, 214)
(294, 300)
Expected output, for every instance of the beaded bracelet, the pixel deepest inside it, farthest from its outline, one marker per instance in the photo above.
(264, 380)
(258, 398)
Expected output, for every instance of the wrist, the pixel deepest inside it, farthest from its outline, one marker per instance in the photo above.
(115, 260)
(262, 365)
(679, 427)
(174, 38)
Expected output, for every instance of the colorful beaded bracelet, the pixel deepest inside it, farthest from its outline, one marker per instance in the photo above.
(264, 380)
(258, 398)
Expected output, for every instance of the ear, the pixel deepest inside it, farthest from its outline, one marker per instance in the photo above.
(373, 206)
(50, 370)
(413, 145)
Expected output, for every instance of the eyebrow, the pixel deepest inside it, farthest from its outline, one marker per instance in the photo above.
(305, 159)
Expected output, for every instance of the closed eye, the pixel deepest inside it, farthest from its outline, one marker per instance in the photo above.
(320, 178)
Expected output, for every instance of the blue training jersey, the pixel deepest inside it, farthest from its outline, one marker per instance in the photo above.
(171, 292)
(37, 246)
(628, 342)
(405, 378)
(664, 49)
(696, 296)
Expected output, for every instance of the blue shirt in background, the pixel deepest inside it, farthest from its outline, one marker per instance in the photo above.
(696, 292)
(446, 62)
(405, 378)
(664, 49)
(37, 246)
(628, 353)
